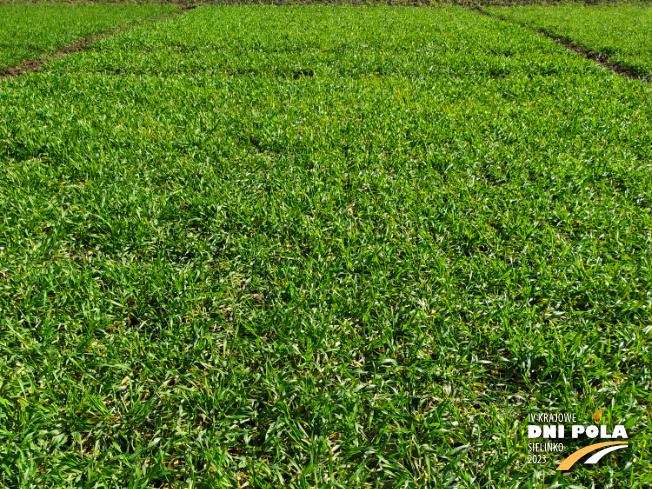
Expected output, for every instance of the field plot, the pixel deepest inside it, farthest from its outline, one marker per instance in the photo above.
(35, 30)
(623, 34)
(320, 247)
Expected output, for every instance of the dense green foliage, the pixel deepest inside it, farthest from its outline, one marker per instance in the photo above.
(327, 247)
(622, 33)
(36, 30)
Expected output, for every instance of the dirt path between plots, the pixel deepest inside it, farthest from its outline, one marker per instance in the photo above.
(601, 59)
(32, 65)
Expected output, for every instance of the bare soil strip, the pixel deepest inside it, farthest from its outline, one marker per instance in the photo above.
(32, 65)
(600, 58)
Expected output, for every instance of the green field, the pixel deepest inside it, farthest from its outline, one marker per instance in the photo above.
(623, 34)
(35, 30)
(321, 247)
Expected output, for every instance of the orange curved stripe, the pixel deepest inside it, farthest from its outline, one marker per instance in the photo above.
(569, 461)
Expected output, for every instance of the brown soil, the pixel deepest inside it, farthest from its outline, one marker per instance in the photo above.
(601, 59)
(32, 65)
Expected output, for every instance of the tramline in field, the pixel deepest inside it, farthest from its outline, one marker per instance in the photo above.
(620, 34)
(30, 31)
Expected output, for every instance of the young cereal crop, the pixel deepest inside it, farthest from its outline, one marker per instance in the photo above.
(620, 34)
(35, 30)
(321, 247)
